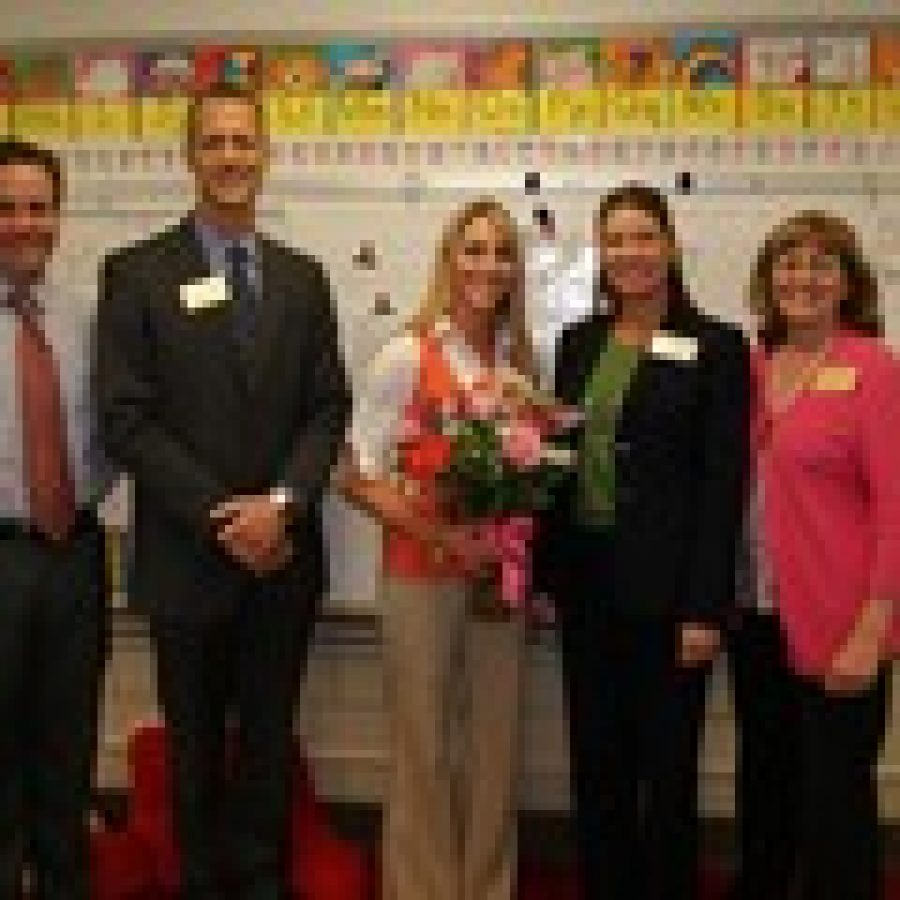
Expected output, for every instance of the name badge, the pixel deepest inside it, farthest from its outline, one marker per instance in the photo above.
(205, 294)
(680, 348)
(835, 378)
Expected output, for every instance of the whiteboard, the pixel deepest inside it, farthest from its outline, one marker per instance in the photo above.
(117, 197)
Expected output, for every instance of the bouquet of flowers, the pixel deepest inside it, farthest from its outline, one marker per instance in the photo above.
(508, 454)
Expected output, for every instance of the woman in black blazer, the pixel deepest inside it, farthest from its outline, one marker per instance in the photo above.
(639, 552)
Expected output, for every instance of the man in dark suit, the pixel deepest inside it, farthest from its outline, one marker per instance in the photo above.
(223, 393)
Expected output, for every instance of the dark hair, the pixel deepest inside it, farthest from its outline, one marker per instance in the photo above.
(859, 309)
(16, 152)
(635, 195)
(220, 91)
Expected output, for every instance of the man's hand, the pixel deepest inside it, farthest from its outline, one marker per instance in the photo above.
(253, 531)
(699, 644)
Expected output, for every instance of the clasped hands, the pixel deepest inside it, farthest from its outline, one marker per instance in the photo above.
(253, 530)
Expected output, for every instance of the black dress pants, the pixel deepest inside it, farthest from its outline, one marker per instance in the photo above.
(243, 667)
(53, 641)
(635, 720)
(807, 794)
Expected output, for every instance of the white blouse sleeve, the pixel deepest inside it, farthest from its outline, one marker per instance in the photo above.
(387, 385)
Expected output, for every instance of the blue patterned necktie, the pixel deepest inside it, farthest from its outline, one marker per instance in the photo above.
(243, 295)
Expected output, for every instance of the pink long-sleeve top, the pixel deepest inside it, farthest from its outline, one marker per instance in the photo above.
(830, 466)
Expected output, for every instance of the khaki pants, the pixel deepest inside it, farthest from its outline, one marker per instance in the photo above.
(452, 694)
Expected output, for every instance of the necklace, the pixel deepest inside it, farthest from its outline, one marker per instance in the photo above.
(785, 383)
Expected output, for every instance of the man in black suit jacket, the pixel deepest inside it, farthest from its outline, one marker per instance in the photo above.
(223, 393)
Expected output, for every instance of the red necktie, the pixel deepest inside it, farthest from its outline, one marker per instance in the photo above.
(50, 489)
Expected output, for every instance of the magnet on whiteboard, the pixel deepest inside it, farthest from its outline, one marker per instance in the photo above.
(545, 221)
(382, 305)
(366, 256)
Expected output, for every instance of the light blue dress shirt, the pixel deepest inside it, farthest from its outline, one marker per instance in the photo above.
(216, 246)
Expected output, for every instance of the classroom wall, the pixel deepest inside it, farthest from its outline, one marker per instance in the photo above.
(341, 711)
(54, 19)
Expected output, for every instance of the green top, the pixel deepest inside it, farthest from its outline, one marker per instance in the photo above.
(604, 394)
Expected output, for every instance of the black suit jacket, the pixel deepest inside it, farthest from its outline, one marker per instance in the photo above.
(194, 423)
(681, 451)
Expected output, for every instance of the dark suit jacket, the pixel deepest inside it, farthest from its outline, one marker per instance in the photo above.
(680, 458)
(194, 424)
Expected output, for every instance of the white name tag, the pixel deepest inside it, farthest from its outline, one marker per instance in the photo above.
(680, 348)
(205, 293)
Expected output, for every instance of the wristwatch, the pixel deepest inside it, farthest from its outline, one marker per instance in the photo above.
(283, 497)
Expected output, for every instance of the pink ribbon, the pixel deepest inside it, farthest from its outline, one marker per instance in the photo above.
(509, 539)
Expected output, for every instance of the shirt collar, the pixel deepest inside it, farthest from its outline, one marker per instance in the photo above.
(39, 295)
(216, 243)
(465, 361)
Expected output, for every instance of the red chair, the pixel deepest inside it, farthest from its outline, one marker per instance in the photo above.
(321, 866)
(120, 867)
(150, 814)
(148, 768)
(327, 868)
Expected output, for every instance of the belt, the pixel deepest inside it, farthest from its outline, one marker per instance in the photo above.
(15, 528)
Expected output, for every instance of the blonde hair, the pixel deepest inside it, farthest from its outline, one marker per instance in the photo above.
(439, 298)
(859, 309)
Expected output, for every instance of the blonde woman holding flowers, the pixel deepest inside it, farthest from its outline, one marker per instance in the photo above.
(452, 674)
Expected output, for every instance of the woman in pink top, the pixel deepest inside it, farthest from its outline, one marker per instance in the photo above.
(820, 572)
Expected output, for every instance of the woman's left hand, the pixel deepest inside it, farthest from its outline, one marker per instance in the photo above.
(855, 666)
(699, 644)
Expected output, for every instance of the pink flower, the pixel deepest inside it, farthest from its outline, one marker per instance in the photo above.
(450, 408)
(411, 428)
(522, 444)
(484, 403)
(554, 419)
